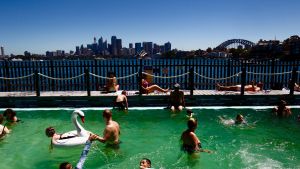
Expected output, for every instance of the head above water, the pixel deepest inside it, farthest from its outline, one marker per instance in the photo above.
(107, 114)
(145, 162)
(9, 113)
(50, 131)
(239, 118)
(65, 165)
(189, 112)
(192, 124)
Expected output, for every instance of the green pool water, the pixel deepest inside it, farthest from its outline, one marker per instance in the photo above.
(270, 142)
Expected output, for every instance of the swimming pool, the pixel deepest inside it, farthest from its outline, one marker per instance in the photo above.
(155, 133)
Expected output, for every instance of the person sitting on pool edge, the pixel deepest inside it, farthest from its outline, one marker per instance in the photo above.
(111, 83)
(11, 116)
(190, 142)
(176, 101)
(3, 129)
(146, 89)
(145, 163)
(121, 101)
(282, 110)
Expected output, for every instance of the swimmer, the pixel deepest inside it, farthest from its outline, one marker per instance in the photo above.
(3, 129)
(10, 116)
(238, 120)
(282, 110)
(190, 142)
(145, 163)
(189, 114)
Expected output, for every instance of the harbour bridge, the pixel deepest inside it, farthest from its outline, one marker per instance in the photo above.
(235, 43)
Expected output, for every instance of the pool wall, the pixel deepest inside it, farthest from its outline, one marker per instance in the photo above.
(147, 101)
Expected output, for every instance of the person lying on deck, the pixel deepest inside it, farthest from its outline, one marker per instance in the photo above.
(146, 89)
(249, 88)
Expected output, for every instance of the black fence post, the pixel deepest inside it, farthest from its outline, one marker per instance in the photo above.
(87, 81)
(243, 81)
(140, 77)
(191, 80)
(37, 83)
(52, 75)
(186, 69)
(272, 83)
(293, 80)
(7, 82)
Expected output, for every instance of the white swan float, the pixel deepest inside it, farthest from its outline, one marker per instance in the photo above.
(75, 137)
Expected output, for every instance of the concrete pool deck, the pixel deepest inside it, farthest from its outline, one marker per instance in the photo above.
(98, 99)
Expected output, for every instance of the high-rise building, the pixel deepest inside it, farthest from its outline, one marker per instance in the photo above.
(148, 47)
(156, 48)
(2, 51)
(119, 46)
(168, 47)
(130, 45)
(138, 48)
(114, 45)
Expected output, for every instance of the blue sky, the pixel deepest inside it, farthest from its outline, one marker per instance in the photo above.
(41, 25)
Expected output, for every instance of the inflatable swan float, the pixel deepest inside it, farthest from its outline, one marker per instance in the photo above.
(75, 137)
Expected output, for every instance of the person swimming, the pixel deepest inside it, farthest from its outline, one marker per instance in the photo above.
(238, 120)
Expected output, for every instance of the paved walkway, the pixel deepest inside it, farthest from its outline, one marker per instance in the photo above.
(133, 93)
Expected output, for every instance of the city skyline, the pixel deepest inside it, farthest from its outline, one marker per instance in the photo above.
(39, 26)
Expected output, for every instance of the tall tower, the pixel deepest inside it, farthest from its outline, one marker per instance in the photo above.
(114, 45)
(2, 51)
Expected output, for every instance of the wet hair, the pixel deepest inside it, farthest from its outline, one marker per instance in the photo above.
(147, 160)
(124, 92)
(283, 103)
(189, 111)
(1, 118)
(65, 165)
(50, 131)
(239, 116)
(9, 112)
(192, 123)
(107, 113)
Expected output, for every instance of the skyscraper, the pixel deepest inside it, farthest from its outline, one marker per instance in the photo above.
(113, 45)
(138, 48)
(168, 47)
(2, 51)
(119, 46)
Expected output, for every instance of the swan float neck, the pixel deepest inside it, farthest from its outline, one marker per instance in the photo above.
(80, 130)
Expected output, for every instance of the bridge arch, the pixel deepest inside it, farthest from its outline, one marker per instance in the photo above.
(244, 42)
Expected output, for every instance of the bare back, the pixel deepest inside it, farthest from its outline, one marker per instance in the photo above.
(112, 133)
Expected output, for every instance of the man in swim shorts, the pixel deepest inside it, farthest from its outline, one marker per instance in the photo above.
(177, 98)
(121, 101)
(111, 132)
